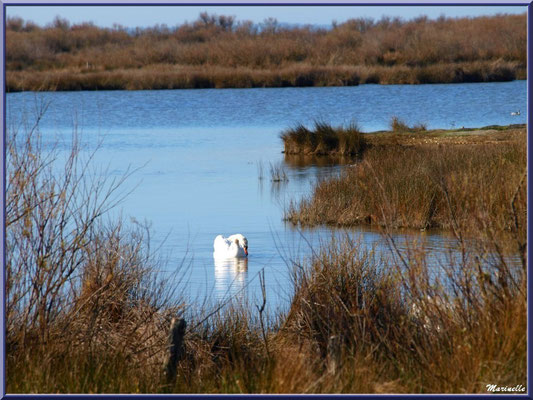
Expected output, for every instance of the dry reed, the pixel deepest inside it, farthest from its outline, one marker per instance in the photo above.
(418, 184)
(212, 52)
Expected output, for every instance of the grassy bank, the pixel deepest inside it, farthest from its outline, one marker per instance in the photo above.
(219, 52)
(88, 312)
(420, 179)
(168, 76)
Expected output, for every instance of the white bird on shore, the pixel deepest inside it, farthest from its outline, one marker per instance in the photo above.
(230, 247)
(516, 112)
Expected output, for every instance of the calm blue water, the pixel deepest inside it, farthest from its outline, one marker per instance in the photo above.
(372, 106)
(199, 152)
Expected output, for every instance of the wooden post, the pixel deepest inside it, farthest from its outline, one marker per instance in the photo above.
(177, 346)
(334, 354)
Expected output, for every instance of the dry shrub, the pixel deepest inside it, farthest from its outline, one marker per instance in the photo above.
(86, 308)
(358, 51)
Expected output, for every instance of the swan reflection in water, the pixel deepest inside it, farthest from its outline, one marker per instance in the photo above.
(230, 277)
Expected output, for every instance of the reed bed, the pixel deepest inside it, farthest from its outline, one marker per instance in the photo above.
(218, 52)
(165, 76)
(422, 184)
(388, 325)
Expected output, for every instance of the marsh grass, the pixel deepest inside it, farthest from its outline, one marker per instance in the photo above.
(208, 53)
(169, 76)
(324, 139)
(418, 186)
(393, 324)
(87, 309)
(363, 323)
(278, 173)
(399, 126)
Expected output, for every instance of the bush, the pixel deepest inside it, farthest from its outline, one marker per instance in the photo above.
(268, 55)
(86, 307)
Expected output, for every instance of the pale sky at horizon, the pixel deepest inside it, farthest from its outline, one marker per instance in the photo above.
(143, 16)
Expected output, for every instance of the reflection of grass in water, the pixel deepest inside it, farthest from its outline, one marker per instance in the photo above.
(277, 173)
(298, 161)
(260, 170)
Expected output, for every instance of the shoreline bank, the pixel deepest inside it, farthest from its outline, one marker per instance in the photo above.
(167, 76)
(418, 179)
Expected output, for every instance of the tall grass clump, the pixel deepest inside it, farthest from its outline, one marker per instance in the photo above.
(399, 126)
(225, 353)
(347, 303)
(86, 307)
(324, 139)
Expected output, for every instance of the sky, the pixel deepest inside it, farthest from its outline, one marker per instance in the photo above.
(144, 16)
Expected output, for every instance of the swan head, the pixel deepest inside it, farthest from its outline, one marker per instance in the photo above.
(241, 241)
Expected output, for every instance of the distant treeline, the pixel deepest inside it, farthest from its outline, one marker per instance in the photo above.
(218, 51)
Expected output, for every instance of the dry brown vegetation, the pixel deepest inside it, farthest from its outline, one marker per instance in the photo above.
(399, 325)
(420, 180)
(217, 52)
(85, 301)
(323, 139)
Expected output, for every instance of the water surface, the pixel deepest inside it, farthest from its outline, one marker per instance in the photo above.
(199, 153)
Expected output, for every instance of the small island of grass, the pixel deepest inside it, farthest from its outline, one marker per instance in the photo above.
(412, 177)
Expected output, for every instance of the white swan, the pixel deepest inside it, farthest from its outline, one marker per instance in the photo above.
(516, 112)
(231, 247)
